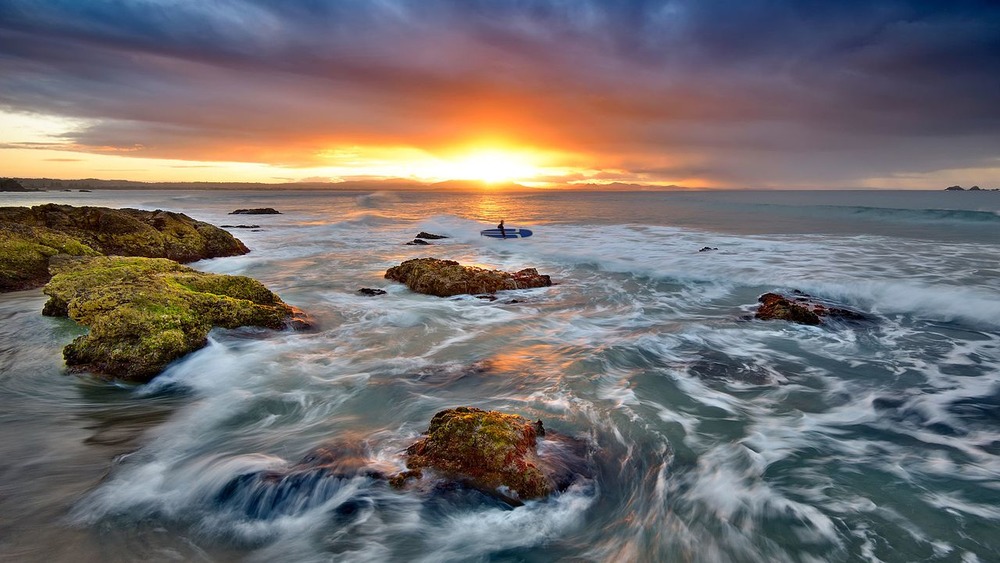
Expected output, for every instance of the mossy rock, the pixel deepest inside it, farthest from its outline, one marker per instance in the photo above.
(144, 313)
(30, 236)
(493, 451)
(445, 278)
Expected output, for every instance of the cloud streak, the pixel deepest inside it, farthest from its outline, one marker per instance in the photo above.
(734, 92)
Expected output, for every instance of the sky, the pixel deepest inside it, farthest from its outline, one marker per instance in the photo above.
(697, 93)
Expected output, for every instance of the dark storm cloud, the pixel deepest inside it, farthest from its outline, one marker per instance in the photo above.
(738, 91)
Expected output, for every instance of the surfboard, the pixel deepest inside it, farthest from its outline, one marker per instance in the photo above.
(509, 232)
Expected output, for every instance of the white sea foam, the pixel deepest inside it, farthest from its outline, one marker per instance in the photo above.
(715, 438)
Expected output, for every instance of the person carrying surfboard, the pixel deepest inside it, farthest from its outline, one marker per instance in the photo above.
(503, 233)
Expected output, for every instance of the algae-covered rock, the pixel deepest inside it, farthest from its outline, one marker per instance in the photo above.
(494, 451)
(445, 278)
(30, 236)
(801, 308)
(144, 313)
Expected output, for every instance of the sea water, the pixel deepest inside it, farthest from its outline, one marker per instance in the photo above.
(710, 437)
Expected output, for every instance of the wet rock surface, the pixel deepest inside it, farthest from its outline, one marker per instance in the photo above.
(144, 313)
(429, 236)
(318, 477)
(802, 308)
(29, 237)
(371, 291)
(445, 278)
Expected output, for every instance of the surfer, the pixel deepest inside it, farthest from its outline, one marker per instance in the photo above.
(503, 233)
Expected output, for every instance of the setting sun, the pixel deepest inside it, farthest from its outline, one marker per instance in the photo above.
(492, 166)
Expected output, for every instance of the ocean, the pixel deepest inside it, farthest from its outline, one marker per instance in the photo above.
(710, 436)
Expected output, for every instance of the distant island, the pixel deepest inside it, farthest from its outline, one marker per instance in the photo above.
(972, 189)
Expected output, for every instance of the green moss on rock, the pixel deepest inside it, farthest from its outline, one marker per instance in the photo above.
(445, 278)
(494, 451)
(30, 236)
(144, 313)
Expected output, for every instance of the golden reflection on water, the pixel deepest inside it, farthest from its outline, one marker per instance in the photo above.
(492, 207)
(528, 360)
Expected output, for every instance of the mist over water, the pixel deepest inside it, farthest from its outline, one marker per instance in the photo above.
(710, 437)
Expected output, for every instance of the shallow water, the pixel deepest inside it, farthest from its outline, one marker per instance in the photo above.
(712, 438)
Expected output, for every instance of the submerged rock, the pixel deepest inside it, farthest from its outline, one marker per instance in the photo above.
(256, 211)
(144, 313)
(429, 236)
(445, 278)
(493, 452)
(311, 482)
(371, 291)
(29, 237)
(802, 309)
(416, 242)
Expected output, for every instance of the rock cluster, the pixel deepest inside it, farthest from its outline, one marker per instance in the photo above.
(144, 313)
(445, 278)
(465, 447)
(29, 237)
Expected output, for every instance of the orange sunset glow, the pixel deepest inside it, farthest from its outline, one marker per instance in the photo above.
(541, 95)
(436, 281)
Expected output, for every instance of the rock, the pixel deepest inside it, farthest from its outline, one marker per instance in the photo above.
(445, 278)
(29, 237)
(429, 236)
(491, 451)
(257, 211)
(803, 310)
(371, 292)
(239, 226)
(417, 241)
(144, 313)
(954, 189)
(975, 189)
(707, 248)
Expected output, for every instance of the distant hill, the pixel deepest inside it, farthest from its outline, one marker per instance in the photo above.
(12, 185)
(394, 184)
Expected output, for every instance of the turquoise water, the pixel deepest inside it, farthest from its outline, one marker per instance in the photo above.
(711, 438)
